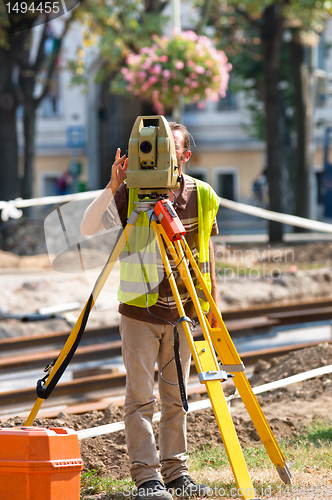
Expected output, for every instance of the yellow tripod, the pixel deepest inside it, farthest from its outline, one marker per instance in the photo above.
(210, 373)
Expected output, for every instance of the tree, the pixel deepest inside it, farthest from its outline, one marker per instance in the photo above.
(18, 79)
(266, 21)
(112, 30)
(306, 21)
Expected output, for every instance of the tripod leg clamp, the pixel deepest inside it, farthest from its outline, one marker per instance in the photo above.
(221, 374)
(212, 375)
(133, 218)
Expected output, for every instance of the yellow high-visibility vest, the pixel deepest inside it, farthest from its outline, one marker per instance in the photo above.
(138, 261)
(208, 204)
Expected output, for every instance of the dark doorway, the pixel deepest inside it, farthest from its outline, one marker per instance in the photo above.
(226, 186)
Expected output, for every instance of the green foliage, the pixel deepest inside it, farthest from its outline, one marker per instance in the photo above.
(92, 483)
(238, 29)
(308, 15)
(215, 457)
(310, 447)
(111, 30)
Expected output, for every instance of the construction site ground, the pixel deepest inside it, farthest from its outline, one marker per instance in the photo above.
(293, 272)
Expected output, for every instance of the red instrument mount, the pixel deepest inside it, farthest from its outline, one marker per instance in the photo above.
(169, 219)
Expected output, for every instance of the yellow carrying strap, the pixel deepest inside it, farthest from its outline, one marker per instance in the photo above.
(55, 370)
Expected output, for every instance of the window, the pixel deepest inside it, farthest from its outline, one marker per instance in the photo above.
(48, 183)
(229, 102)
(227, 183)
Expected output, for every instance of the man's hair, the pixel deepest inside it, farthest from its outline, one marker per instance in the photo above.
(184, 131)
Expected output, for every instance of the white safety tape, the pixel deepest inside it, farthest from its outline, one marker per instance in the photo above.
(9, 210)
(293, 220)
(9, 207)
(206, 403)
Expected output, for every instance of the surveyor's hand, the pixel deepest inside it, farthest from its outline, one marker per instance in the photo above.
(119, 171)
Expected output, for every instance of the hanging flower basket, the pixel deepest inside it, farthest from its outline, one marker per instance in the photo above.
(185, 65)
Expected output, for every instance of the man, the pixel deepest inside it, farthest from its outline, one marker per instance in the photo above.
(148, 332)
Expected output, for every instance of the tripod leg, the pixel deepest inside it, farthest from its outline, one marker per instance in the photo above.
(228, 355)
(205, 361)
(88, 306)
(226, 427)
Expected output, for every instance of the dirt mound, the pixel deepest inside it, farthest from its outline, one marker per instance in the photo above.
(292, 363)
(9, 260)
(314, 252)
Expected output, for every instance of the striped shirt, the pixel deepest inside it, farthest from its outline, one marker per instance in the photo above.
(164, 310)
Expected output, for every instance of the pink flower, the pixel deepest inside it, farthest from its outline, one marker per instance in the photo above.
(179, 65)
(141, 75)
(130, 77)
(199, 69)
(157, 69)
(164, 85)
(147, 75)
(159, 108)
(191, 35)
(147, 64)
(153, 79)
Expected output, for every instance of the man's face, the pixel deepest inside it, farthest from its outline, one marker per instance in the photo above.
(182, 154)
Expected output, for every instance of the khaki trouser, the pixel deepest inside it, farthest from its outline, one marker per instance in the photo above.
(144, 344)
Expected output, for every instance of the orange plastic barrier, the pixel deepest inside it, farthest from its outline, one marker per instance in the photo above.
(39, 464)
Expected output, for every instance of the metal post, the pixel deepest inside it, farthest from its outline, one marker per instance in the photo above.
(176, 14)
(176, 25)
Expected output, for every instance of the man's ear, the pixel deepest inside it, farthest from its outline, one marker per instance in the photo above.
(187, 156)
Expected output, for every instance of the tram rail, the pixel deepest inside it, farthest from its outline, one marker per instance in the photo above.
(95, 388)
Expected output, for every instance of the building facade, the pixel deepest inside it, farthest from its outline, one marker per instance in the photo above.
(225, 155)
